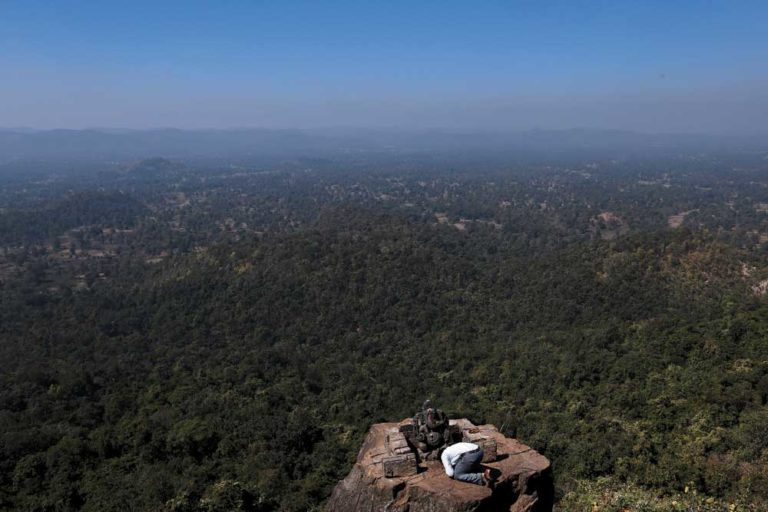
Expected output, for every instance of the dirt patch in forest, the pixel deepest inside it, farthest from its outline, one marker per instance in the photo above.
(676, 220)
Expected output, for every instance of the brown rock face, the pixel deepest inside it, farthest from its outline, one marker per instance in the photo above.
(524, 482)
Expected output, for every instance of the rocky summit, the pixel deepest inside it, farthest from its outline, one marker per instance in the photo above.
(389, 476)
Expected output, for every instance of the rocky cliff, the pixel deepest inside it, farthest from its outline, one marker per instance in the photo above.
(388, 477)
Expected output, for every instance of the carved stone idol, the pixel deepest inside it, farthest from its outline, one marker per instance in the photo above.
(430, 431)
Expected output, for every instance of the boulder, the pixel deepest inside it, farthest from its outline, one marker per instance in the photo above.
(524, 481)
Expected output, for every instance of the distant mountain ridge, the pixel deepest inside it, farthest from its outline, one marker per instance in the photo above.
(106, 144)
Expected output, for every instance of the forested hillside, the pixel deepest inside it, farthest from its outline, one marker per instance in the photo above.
(220, 339)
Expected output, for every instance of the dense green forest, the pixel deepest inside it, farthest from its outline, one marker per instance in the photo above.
(221, 337)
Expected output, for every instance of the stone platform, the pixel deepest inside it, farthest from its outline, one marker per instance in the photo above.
(388, 478)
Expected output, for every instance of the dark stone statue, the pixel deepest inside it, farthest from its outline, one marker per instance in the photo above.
(431, 427)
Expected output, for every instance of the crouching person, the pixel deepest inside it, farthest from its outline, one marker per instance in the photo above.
(462, 462)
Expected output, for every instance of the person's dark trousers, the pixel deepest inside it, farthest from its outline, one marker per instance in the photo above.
(468, 468)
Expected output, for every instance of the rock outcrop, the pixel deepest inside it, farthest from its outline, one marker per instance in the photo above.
(388, 477)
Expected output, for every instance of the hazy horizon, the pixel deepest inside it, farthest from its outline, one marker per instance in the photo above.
(650, 68)
(345, 129)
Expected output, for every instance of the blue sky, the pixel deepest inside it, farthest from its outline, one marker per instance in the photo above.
(693, 66)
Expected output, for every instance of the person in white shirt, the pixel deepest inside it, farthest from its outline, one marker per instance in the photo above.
(462, 462)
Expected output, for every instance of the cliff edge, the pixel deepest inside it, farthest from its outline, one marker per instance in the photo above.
(389, 476)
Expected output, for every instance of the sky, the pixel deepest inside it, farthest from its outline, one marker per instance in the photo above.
(652, 66)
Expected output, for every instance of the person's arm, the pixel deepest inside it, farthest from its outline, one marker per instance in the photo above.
(446, 460)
